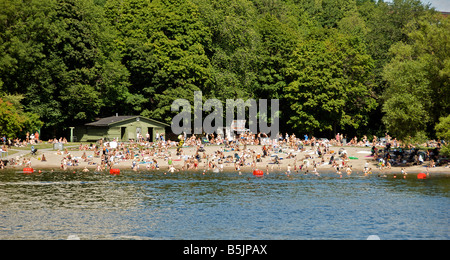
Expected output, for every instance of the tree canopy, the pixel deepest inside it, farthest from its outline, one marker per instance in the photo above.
(359, 66)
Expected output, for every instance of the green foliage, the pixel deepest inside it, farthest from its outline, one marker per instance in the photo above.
(443, 128)
(58, 55)
(443, 133)
(278, 41)
(418, 83)
(162, 44)
(357, 66)
(329, 91)
(13, 120)
(405, 115)
(10, 121)
(233, 49)
(165, 100)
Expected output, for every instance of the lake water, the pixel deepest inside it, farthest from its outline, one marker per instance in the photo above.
(151, 205)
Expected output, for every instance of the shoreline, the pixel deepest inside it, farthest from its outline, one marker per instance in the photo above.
(361, 153)
(323, 173)
(231, 170)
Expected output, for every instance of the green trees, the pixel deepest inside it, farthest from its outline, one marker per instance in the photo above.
(330, 89)
(443, 132)
(359, 66)
(58, 54)
(13, 120)
(233, 47)
(418, 88)
(163, 48)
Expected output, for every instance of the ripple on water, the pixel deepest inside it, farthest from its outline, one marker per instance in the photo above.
(221, 206)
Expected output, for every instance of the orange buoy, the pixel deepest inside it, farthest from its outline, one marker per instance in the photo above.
(28, 170)
(421, 176)
(258, 172)
(114, 171)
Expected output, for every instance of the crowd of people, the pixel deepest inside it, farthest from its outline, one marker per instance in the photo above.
(247, 149)
(30, 139)
(8, 143)
(145, 153)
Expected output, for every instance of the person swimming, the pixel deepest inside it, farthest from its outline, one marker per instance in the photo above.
(404, 173)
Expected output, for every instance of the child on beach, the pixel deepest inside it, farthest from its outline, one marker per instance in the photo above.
(381, 164)
(432, 164)
(316, 172)
(349, 170)
(388, 165)
(288, 169)
(338, 172)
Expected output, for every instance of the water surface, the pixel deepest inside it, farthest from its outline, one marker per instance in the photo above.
(154, 205)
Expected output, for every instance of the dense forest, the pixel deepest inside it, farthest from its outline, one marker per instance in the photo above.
(353, 66)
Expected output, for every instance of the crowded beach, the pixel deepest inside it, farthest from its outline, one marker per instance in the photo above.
(246, 152)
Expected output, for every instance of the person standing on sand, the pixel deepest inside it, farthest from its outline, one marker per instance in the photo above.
(315, 171)
(338, 172)
(349, 170)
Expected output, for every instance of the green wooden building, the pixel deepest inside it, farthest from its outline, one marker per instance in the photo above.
(121, 128)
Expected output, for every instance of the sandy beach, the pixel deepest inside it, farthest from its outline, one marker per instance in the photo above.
(307, 157)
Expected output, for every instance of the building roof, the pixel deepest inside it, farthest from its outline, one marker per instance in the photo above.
(115, 119)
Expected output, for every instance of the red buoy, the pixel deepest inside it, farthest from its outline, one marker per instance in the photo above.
(258, 172)
(28, 170)
(114, 171)
(421, 176)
